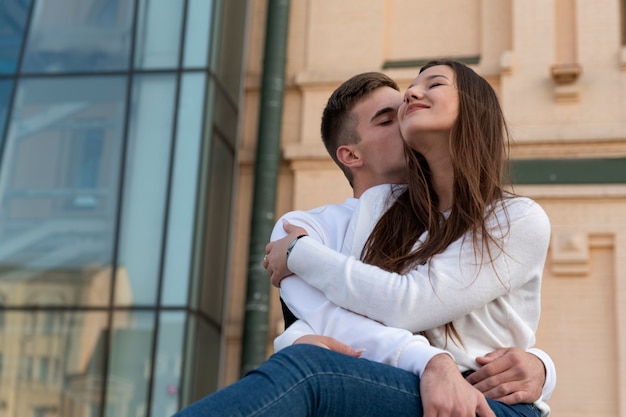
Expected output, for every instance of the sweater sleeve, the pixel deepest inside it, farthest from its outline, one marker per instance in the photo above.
(317, 315)
(550, 382)
(380, 343)
(449, 286)
(292, 333)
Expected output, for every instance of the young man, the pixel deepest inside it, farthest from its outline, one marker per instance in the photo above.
(361, 133)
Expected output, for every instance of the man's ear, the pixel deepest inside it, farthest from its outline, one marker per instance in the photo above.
(349, 156)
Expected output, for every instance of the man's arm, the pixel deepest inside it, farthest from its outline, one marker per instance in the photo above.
(442, 385)
(392, 346)
(380, 343)
(512, 375)
(287, 338)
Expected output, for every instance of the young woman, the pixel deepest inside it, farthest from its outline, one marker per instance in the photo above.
(449, 240)
(462, 262)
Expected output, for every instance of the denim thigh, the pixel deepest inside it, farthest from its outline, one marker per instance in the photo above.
(305, 380)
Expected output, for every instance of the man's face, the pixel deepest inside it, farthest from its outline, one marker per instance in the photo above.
(381, 147)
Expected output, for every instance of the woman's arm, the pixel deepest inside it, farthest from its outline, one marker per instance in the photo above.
(380, 343)
(392, 346)
(448, 287)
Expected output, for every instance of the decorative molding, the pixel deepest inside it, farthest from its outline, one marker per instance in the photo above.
(565, 77)
(564, 74)
(419, 62)
(566, 93)
(570, 253)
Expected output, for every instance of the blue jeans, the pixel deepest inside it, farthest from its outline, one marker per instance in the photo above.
(305, 380)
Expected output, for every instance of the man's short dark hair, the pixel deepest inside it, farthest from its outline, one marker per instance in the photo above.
(338, 123)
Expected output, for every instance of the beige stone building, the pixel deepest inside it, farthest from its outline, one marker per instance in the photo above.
(559, 67)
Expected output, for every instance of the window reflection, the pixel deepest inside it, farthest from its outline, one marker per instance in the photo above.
(198, 33)
(158, 33)
(61, 216)
(180, 227)
(146, 179)
(63, 152)
(203, 353)
(169, 359)
(129, 368)
(42, 321)
(60, 371)
(13, 14)
(79, 35)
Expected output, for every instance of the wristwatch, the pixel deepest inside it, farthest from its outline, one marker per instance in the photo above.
(292, 244)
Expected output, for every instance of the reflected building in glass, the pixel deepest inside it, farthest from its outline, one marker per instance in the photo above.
(118, 127)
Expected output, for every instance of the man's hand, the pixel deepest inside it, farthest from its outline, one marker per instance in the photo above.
(509, 375)
(275, 260)
(328, 343)
(445, 393)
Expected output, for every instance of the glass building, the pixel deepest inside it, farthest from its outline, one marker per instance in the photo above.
(118, 127)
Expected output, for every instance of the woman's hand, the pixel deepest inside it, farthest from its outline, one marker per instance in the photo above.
(329, 343)
(275, 260)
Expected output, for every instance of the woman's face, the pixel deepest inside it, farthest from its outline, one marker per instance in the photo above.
(429, 110)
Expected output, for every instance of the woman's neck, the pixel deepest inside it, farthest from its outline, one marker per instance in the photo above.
(442, 177)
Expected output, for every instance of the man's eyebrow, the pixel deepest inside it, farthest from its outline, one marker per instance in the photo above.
(384, 110)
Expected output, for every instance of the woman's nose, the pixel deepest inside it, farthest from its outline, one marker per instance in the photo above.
(412, 93)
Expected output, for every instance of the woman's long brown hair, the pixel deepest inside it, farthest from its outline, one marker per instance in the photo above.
(478, 147)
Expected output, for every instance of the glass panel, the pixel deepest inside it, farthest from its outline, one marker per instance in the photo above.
(13, 15)
(158, 33)
(202, 361)
(145, 189)
(215, 247)
(169, 361)
(79, 35)
(57, 221)
(129, 364)
(57, 368)
(228, 56)
(198, 33)
(226, 119)
(181, 220)
(6, 87)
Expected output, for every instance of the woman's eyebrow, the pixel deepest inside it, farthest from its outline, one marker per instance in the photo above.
(430, 77)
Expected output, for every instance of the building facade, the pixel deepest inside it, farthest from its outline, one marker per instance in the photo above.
(118, 140)
(559, 68)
